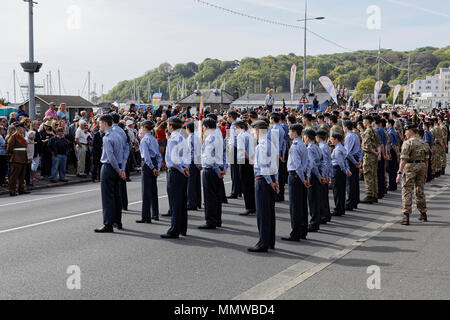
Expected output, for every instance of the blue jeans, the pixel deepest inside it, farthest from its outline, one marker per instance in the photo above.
(59, 164)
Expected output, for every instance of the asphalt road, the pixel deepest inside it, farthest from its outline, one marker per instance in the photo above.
(44, 233)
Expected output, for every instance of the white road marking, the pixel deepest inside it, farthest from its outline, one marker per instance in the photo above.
(70, 217)
(291, 277)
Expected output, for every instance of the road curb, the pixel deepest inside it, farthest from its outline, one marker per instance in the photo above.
(51, 185)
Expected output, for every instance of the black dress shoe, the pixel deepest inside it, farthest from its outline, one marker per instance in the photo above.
(272, 247)
(323, 222)
(118, 226)
(63, 180)
(105, 229)
(125, 209)
(156, 218)
(169, 236)
(257, 249)
(206, 227)
(233, 196)
(248, 212)
(303, 237)
(13, 194)
(312, 228)
(290, 239)
(192, 209)
(168, 214)
(335, 214)
(348, 209)
(367, 200)
(24, 192)
(184, 234)
(225, 201)
(144, 221)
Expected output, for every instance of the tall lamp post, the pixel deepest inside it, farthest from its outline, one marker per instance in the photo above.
(305, 89)
(31, 66)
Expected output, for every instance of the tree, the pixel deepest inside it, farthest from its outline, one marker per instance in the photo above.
(365, 86)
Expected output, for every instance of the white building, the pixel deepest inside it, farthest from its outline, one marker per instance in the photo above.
(444, 76)
(430, 84)
(433, 99)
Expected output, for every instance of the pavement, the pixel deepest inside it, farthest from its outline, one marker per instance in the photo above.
(45, 234)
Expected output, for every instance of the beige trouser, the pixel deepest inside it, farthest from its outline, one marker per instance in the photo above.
(81, 155)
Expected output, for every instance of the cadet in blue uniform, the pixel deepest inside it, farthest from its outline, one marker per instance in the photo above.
(428, 138)
(326, 171)
(177, 175)
(278, 131)
(266, 186)
(194, 194)
(341, 171)
(245, 153)
(151, 164)
(122, 199)
(354, 157)
(236, 188)
(392, 166)
(314, 157)
(212, 152)
(297, 167)
(110, 174)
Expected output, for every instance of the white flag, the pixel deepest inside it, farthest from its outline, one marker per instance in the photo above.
(293, 76)
(329, 86)
(377, 89)
(396, 92)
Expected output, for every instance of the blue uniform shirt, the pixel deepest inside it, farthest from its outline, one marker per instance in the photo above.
(112, 150)
(393, 137)
(195, 149)
(245, 143)
(353, 147)
(428, 138)
(177, 155)
(315, 160)
(278, 129)
(298, 158)
(326, 159)
(150, 150)
(122, 136)
(381, 135)
(212, 150)
(266, 159)
(338, 157)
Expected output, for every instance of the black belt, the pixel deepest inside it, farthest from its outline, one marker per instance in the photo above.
(418, 161)
(336, 167)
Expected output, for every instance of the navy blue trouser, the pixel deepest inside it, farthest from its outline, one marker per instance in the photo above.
(352, 187)
(247, 177)
(338, 181)
(265, 213)
(298, 206)
(282, 168)
(314, 201)
(194, 193)
(392, 169)
(123, 199)
(110, 192)
(213, 199)
(177, 192)
(150, 207)
(325, 213)
(236, 188)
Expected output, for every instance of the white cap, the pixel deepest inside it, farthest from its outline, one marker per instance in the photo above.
(129, 122)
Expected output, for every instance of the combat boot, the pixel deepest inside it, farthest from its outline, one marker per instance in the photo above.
(405, 220)
(423, 217)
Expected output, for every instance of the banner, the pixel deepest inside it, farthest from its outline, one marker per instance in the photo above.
(156, 100)
(202, 109)
(329, 86)
(377, 89)
(293, 76)
(405, 94)
(396, 92)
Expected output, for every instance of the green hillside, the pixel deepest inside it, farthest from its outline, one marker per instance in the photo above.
(346, 69)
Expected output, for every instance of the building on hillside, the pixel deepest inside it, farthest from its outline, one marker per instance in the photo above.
(74, 104)
(430, 84)
(253, 100)
(444, 76)
(212, 98)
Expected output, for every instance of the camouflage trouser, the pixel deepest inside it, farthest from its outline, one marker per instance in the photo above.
(414, 179)
(370, 171)
(443, 157)
(435, 160)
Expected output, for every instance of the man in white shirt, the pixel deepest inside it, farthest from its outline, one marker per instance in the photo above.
(81, 145)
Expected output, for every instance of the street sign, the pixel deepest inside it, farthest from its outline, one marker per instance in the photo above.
(304, 99)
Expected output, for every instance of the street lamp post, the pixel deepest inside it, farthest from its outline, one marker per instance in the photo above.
(31, 66)
(305, 89)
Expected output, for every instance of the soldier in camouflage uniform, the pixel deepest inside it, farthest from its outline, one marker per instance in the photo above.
(434, 149)
(437, 135)
(372, 154)
(413, 167)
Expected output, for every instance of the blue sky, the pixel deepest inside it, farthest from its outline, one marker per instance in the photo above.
(118, 40)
